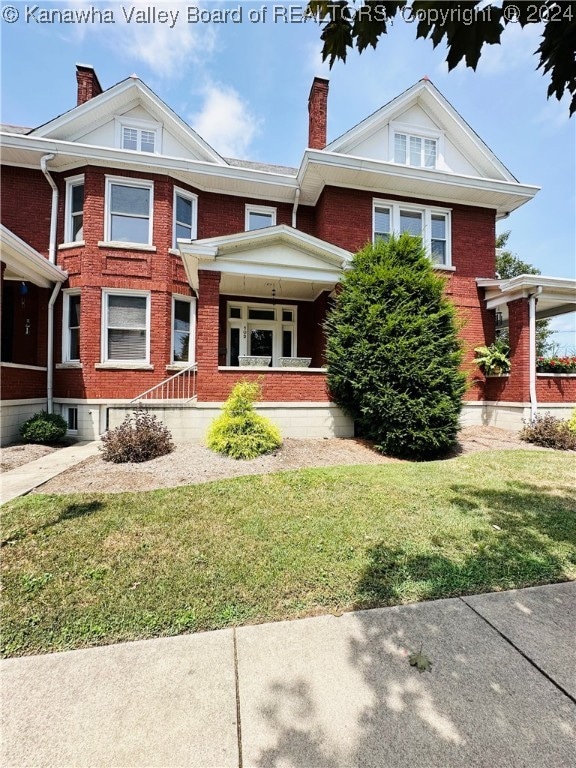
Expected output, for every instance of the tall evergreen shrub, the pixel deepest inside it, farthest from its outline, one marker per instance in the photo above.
(393, 351)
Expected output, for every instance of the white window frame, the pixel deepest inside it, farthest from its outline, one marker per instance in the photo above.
(72, 181)
(66, 415)
(418, 133)
(106, 292)
(277, 326)
(178, 192)
(65, 324)
(192, 343)
(263, 210)
(139, 125)
(127, 182)
(427, 212)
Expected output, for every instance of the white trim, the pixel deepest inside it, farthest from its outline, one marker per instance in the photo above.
(244, 324)
(270, 369)
(179, 192)
(120, 246)
(71, 182)
(27, 264)
(127, 181)
(420, 133)
(396, 207)
(139, 125)
(104, 361)
(123, 366)
(75, 244)
(192, 340)
(68, 366)
(262, 210)
(30, 401)
(555, 376)
(66, 294)
(23, 366)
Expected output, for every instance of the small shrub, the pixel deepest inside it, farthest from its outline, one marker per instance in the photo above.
(44, 427)
(239, 431)
(140, 437)
(493, 360)
(549, 432)
(572, 422)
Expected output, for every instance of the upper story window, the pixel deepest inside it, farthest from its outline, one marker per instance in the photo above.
(259, 216)
(125, 326)
(418, 151)
(138, 135)
(185, 216)
(74, 221)
(71, 327)
(129, 211)
(431, 224)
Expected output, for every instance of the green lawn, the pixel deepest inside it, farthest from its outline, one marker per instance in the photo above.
(90, 569)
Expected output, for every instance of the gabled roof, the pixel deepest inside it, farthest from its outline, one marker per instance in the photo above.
(425, 94)
(117, 100)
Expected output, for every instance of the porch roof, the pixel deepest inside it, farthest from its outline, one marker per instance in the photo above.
(25, 263)
(556, 295)
(292, 262)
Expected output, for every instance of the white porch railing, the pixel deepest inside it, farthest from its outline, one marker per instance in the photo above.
(181, 386)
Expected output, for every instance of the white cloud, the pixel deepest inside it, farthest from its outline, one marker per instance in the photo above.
(225, 121)
(164, 47)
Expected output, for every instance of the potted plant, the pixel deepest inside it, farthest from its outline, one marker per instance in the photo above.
(493, 360)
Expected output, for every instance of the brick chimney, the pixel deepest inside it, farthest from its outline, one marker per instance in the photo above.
(88, 83)
(318, 113)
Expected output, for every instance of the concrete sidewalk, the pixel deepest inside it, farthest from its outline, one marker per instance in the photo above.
(322, 691)
(24, 479)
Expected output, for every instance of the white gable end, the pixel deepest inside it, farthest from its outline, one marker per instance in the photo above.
(423, 112)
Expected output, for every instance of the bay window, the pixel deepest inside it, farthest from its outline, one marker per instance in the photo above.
(183, 325)
(74, 220)
(126, 326)
(185, 216)
(71, 327)
(431, 224)
(129, 211)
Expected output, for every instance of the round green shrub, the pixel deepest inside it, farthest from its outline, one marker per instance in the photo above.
(239, 431)
(572, 422)
(393, 351)
(44, 427)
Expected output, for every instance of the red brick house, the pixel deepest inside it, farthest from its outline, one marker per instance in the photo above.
(138, 265)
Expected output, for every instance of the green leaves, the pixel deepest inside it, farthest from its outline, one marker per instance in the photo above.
(420, 661)
(466, 25)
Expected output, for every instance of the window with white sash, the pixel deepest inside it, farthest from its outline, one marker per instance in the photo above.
(126, 326)
(431, 224)
(257, 330)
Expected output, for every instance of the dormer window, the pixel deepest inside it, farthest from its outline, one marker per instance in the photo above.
(139, 135)
(417, 151)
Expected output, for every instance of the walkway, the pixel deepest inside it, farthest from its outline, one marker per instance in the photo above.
(24, 479)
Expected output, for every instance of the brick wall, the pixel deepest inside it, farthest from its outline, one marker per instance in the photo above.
(22, 383)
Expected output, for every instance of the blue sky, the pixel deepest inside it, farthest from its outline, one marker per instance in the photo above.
(244, 87)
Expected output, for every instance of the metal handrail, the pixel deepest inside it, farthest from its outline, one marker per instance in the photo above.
(180, 386)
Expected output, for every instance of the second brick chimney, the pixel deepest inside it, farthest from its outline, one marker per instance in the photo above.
(318, 113)
(88, 83)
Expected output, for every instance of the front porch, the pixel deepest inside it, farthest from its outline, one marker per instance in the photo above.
(263, 297)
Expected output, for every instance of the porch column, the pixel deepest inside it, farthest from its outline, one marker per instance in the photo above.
(518, 389)
(207, 330)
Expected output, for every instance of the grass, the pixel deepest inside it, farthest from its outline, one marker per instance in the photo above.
(85, 569)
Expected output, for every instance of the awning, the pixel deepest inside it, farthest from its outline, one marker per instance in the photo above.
(556, 295)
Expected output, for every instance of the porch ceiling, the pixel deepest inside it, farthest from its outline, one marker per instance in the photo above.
(25, 263)
(556, 295)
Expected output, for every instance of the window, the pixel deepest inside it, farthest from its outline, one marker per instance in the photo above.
(431, 224)
(74, 223)
(139, 136)
(183, 323)
(71, 328)
(185, 205)
(126, 323)
(261, 329)
(129, 211)
(259, 216)
(71, 416)
(418, 151)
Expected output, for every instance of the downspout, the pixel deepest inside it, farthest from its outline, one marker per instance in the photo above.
(54, 210)
(532, 356)
(52, 258)
(50, 360)
(295, 208)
